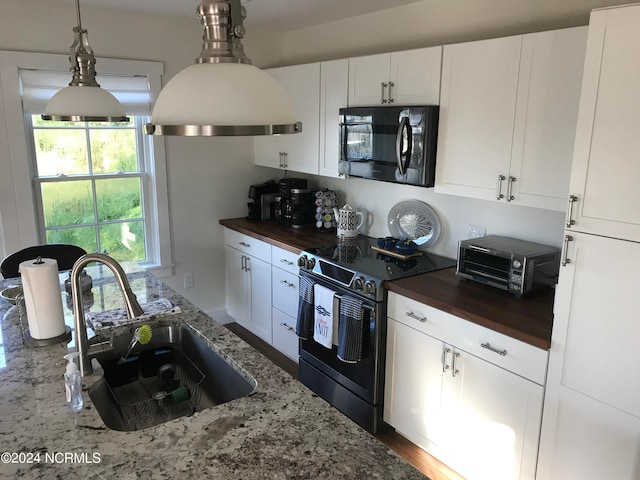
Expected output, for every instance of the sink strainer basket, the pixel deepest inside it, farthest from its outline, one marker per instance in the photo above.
(173, 391)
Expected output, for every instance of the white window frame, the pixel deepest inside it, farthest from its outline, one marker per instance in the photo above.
(18, 212)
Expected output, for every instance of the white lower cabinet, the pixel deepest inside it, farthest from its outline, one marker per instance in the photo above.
(473, 411)
(249, 292)
(262, 290)
(285, 310)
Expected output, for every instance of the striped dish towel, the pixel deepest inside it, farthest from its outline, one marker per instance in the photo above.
(304, 323)
(350, 335)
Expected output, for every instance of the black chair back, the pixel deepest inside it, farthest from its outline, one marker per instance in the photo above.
(65, 254)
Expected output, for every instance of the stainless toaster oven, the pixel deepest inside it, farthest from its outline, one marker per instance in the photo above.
(517, 266)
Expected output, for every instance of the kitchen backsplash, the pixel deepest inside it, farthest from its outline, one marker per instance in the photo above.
(455, 213)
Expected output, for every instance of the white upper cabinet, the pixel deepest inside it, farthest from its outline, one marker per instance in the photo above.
(410, 77)
(297, 152)
(334, 86)
(508, 116)
(606, 166)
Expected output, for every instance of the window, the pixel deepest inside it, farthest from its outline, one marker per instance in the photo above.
(90, 184)
(102, 186)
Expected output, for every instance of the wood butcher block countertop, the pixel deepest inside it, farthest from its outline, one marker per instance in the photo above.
(528, 319)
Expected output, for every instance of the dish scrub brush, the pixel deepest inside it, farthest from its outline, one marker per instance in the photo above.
(143, 335)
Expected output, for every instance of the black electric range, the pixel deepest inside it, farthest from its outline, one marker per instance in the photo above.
(355, 265)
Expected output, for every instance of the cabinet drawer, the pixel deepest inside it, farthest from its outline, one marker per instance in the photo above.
(497, 348)
(284, 259)
(247, 244)
(285, 291)
(421, 317)
(284, 334)
(504, 351)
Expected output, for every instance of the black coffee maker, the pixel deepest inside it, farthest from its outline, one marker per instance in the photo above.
(294, 204)
(263, 200)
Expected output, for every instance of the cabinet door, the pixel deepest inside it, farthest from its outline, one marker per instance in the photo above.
(588, 440)
(302, 84)
(477, 108)
(366, 78)
(415, 75)
(238, 288)
(597, 303)
(334, 85)
(259, 273)
(550, 77)
(491, 420)
(412, 384)
(606, 169)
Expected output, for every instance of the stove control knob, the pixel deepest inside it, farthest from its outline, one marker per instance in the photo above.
(370, 288)
(311, 263)
(358, 283)
(302, 261)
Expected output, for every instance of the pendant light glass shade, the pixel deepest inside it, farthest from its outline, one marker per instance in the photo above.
(83, 100)
(222, 94)
(84, 104)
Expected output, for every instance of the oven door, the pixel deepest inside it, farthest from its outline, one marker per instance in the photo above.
(364, 377)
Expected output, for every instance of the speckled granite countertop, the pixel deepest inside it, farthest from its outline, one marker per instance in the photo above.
(282, 431)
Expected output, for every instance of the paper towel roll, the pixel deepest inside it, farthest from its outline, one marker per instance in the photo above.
(42, 297)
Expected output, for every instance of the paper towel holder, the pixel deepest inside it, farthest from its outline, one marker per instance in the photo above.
(27, 339)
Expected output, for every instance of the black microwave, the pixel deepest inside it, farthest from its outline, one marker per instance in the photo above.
(393, 144)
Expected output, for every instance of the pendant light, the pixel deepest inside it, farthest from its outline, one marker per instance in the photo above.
(83, 100)
(222, 94)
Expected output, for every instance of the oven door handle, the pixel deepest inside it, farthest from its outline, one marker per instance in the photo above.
(365, 307)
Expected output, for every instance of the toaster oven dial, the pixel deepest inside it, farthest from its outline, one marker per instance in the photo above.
(358, 283)
(517, 264)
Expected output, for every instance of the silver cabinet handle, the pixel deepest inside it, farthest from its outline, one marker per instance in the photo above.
(286, 262)
(565, 247)
(454, 369)
(383, 85)
(245, 244)
(445, 353)
(501, 178)
(510, 197)
(285, 160)
(494, 350)
(570, 221)
(279, 159)
(416, 317)
(247, 264)
(288, 284)
(391, 85)
(243, 263)
(287, 327)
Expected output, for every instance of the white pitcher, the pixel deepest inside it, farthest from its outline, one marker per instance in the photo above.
(349, 221)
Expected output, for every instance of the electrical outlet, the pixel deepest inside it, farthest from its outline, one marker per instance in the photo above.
(188, 280)
(476, 231)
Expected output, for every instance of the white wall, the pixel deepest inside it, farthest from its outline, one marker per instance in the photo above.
(208, 179)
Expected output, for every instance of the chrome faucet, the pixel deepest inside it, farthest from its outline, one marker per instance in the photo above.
(131, 303)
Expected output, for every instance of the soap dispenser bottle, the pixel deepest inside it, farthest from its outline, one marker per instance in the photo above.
(73, 383)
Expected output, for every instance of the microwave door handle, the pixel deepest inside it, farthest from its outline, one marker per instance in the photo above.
(409, 147)
(404, 124)
(344, 142)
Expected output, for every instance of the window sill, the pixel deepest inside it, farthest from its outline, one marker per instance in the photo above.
(158, 271)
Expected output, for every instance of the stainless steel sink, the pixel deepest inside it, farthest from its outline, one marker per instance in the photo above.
(174, 375)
